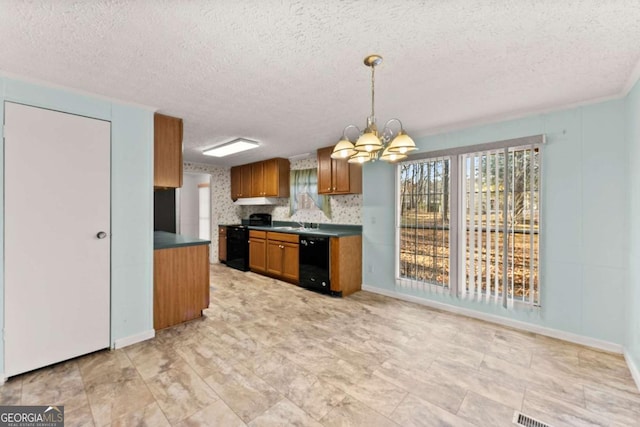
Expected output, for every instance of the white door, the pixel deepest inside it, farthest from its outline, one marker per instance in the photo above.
(57, 268)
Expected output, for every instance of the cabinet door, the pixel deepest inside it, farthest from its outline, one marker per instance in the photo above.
(270, 177)
(341, 176)
(245, 189)
(167, 154)
(325, 171)
(274, 257)
(236, 182)
(257, 179)
(290, 262)
(258, 255)
(222, 243)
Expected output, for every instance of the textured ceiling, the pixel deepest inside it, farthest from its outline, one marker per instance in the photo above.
(289, 73)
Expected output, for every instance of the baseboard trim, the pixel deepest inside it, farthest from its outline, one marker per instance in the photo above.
(542, 330)
(133, 339)
(635, 371)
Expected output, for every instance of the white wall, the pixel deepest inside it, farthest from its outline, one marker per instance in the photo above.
(223, 211)
(189, 202)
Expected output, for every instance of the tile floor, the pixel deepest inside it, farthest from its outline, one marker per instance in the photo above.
(270, 354)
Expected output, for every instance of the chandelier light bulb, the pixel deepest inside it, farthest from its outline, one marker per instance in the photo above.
(402, 143)
(343, 149)
(368, 142)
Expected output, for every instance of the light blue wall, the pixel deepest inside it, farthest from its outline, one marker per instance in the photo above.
(632, 343)
(131, 221)
(131, 200)
(585, 218)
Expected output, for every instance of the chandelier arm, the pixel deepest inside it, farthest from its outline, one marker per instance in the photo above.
(386, 125)
(387, 133)
(346, 128)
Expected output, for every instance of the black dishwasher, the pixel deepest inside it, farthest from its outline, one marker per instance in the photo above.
(314, 263)
(238, 247)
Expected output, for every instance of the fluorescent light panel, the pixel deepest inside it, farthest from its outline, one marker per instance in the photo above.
(231, 147)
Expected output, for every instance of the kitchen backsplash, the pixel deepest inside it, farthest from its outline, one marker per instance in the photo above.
(344, 209)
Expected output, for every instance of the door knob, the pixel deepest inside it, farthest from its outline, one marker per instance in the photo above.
(101, 235)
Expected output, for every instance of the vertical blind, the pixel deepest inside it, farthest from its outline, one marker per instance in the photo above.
(500, 225)
(468, 223)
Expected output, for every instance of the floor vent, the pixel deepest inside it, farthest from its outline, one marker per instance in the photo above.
(526, 421)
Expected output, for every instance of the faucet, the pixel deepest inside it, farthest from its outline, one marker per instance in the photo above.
(301, 224)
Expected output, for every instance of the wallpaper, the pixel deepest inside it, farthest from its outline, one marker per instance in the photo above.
(345, 209)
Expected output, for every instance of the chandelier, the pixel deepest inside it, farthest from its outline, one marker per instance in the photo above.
(388, 145)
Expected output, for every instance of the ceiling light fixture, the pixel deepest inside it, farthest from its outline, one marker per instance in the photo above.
(372, 145)
(231, 147)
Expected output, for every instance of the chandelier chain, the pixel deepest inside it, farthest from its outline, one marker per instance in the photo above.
(373, 90)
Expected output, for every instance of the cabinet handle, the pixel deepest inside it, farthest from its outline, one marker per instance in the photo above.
(329, 189)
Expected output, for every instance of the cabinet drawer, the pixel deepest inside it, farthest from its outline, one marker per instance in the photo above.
(283, 237)
(257, 234)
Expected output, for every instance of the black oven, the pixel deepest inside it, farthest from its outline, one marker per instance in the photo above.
(238, 241)
(314, 263)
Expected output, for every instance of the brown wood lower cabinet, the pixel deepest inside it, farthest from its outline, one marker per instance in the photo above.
(180, 283)
(274, 254)
(278, 255)
(283, 259)
(346, 264)
(258, 251)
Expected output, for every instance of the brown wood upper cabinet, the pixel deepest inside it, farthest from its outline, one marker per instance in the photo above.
(337, 176)
(167, 154)
(240, 181)
(269, 178)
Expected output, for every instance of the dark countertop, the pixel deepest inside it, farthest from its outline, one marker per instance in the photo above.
(329, 230)
(165, 240)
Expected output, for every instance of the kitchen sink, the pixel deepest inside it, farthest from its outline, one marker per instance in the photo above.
(289, 228)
